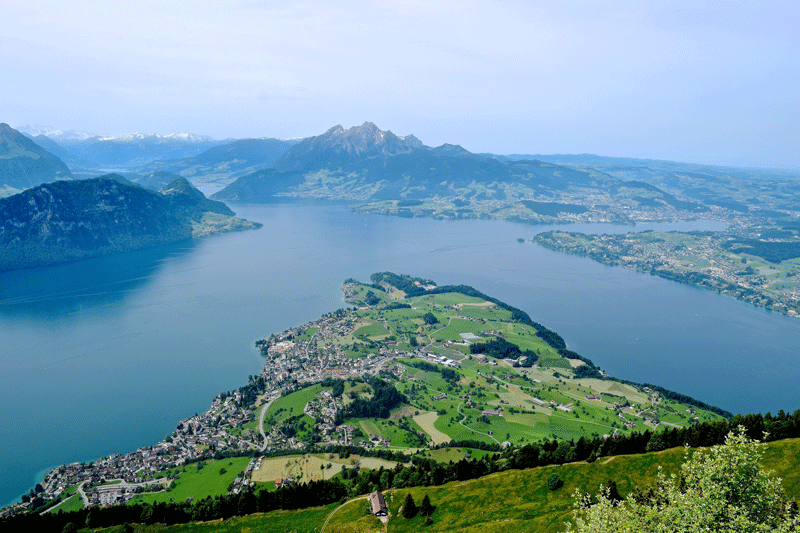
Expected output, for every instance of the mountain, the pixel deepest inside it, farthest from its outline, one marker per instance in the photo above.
(70, 220)
(339, 146)
(138, 149)
(154, 180)
(263, 186)
(23, 163)
(222, 164)
(364, 162)
(72, 161)
(772, 193)
(62, 137)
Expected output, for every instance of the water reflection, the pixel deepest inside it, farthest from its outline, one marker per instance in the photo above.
(91, 285)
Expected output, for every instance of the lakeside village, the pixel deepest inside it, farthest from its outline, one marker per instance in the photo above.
(296, 356)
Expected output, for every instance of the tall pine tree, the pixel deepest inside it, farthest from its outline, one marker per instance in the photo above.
(426, 509)
(409, 507)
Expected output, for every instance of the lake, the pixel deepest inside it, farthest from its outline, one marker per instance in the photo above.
(109, 354)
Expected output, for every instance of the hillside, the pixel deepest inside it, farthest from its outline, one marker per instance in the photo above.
(155, 180)
(70, 220)
(510, 501)
(263, 186)
(24, 164)
(220, 165)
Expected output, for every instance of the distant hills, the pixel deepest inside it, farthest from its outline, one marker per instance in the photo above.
(199, 158)
(366, 164)
(137, 149)
(73, 219)
(222, 164)
(24, 164)
(382, 172)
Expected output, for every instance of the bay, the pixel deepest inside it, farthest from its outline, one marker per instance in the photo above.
(108, 354)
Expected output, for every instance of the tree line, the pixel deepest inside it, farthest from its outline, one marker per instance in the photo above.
(422, 472)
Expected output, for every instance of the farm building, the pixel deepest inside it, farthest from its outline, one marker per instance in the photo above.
(378, 504)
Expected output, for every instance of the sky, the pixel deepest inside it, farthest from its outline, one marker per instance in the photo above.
(714, 82)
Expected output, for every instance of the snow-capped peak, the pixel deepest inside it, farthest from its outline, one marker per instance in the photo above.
(55, 133)
(185, 137)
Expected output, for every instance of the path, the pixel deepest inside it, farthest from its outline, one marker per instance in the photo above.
(469, 428)
(83, 494)
(261, 424)
(59, 504)
(332, 512)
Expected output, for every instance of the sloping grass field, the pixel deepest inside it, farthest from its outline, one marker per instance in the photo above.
(512, 501)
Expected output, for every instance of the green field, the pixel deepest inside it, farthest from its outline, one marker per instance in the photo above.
(200, 481)
(511, 501)
(290, 405)
(306, 520)
(154, 497)
(372, 330)
(73, 503)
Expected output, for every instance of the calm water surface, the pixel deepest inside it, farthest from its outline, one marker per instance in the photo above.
(106, 355)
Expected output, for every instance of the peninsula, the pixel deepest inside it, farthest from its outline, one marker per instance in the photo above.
(411, 367)
(758, 264)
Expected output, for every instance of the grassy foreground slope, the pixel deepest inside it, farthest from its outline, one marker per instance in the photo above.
(513, 501)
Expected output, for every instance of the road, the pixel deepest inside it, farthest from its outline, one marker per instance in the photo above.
(261, 424)
(332, 512)
(469, 428)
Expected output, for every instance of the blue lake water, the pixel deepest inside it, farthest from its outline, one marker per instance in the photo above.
(108, 354)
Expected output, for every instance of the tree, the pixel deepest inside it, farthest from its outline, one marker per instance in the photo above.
(430, 318)
(722, 489)
(409, 507)
(554, 482)
(425, 508)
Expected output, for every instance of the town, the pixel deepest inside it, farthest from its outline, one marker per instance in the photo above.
(429, 347)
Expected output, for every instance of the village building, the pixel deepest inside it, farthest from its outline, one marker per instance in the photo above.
(378, 504)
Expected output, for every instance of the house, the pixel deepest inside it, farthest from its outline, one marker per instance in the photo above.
(492, 412)
(378, 504)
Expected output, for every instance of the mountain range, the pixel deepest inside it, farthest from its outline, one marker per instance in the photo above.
(364, 164)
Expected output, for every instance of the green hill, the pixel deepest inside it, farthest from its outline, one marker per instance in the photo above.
(24, 164)
(223, 164)
(70, 220)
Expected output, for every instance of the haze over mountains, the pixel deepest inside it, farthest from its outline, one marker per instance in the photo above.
(367, 165)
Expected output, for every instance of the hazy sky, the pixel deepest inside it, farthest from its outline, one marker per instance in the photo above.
(713, 82)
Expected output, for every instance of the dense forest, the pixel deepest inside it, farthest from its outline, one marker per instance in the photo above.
(384, 398)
